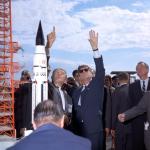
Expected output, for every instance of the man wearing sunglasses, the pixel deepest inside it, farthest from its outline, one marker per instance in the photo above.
(88, 99)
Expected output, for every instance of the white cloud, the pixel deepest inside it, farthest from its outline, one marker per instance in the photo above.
(26, 16)
(118, 28)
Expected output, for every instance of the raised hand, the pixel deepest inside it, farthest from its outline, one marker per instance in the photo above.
(121, 117)
(112, 132)
(51, 38)
(93, 39)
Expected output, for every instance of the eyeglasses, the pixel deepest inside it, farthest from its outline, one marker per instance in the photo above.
(84, 70)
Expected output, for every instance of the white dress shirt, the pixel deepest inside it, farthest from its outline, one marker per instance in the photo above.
(146, 84)
(62, 97)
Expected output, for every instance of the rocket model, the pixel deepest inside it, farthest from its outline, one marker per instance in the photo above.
(39, 80)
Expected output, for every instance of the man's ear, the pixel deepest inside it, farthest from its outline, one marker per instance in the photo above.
(62, 122)
(34, 125)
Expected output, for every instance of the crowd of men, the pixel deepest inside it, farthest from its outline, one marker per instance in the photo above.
(89, 104)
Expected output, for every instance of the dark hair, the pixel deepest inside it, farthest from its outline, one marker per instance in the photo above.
(48, 110)
(25, 75)
(145, 64)
(71, 81)
(82, 66)
(123, 76)
(108, 77)
(114, 77)
(74, 72)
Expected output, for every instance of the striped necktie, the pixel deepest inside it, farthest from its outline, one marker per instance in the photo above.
(82, 89)
(143, 87)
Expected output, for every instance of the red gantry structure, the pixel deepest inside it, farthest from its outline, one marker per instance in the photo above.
(7, 69)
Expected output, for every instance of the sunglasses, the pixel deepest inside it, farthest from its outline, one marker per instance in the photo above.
(84, 70)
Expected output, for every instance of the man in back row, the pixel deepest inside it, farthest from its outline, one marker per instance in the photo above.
(136, 92)
(48, 134)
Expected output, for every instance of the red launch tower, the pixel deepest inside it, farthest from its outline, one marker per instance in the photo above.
(7, 69)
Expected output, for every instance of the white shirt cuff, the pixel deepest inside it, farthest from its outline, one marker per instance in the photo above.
(96, 54)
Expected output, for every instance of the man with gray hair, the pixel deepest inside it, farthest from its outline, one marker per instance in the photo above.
(59, 94)
(49, 133)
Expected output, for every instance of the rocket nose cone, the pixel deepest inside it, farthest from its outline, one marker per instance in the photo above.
(40, 35)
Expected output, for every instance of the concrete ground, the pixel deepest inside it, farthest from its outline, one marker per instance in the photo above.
(6, 142)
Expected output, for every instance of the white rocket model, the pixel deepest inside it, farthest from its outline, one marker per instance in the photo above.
(39, 80)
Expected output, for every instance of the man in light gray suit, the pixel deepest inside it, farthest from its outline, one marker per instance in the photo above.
(143, 106)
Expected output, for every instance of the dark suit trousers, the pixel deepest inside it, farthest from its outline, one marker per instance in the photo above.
(124, 142)
(96, 140)
(147, 139)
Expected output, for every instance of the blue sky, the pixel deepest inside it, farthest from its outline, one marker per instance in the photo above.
(123, 27)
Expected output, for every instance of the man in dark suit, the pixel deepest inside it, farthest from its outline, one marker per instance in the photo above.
(122, 132)
(58, 93)
(143, 106)
(136, 91)
(88, 99)
(48, 134)
(23, 103)
(107, 108)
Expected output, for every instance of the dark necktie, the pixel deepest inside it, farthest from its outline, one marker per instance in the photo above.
(82, 89)
(143, 87)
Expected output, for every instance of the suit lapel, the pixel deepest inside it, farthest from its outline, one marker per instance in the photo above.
(66, 100)
(58, 96)
(148, 86)
(84, 94)
(139, 87)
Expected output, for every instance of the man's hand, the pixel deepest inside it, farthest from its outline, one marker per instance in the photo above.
(112, 132)
(22, 130)
(107, 131)
(93, 39)
(121, 117)
(51, 38)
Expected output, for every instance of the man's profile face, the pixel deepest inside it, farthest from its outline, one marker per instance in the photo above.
(107, 81)
(76, 77)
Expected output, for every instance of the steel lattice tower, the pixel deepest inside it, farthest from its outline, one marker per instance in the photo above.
(7, 70)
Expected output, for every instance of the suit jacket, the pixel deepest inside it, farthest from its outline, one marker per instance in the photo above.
(135, 94)
(107, 106)
(55, 95)
(23, 107)
(120, 104)
(51, 137)
(143, 106)
(87, 117)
